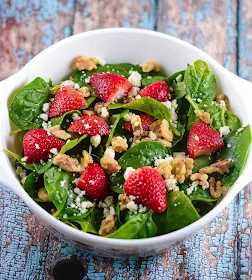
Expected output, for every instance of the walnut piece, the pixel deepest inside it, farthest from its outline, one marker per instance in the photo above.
(88, 112)
(166, 143)
(215, 188)
(84, 92)
(119, 144)
(68, 163)
(110, 165)
(220, 167)
(86, 159)
(204, 116)
(150, 66)
(182, 168)
(164, 169)
(220, 98)
(59, 133)
(161, 128)
(43, 195)
(124, 200)
(83, 63)
(137, 128)
(101, 110)
(107, 225)
(199, 177)
(131, 95)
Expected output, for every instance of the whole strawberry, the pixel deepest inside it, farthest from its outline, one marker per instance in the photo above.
(66, 99)
(94, 182)
(148, 187)
(39, 144)
(91, 125)
(146, 121)
(157, 90)
(203, 140)
(109, 87)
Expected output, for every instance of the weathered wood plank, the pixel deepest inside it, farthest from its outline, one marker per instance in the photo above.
(27, 27)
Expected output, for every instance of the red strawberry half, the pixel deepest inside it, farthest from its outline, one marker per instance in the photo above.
(203, 139)
(109, 87)
(157, 90)
(146, 121)
(66, 99)
(94, 182)
(91, 125)
(148, 187)
(37, 144)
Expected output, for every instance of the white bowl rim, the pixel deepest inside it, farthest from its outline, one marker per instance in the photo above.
(124, 243)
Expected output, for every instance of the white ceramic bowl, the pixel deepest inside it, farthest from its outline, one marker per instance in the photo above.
(120, 45)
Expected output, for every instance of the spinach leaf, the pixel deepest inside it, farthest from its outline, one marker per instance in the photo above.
(142, 154)
(232, 121)
(27, 104)
(71, 144)
(180, 90)
(239, 142)
(116, 182)
(112, 131)
(200, 162)
(200, 81)
(57, 184)
(59, 120)
(140, 226)
(13, 132)
(28, 166)
(30, 183)
(179, 213)
(172, 79)
(149, 80)
(42, 168)
(149, 106)
(201, 195)
(181, 129)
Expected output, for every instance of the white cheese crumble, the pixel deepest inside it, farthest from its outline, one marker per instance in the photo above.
(224, 130)
(104, 112)
(128, 172)
(171, 184)
(153, 135)
(174, 104)
(229, 145)
(108, 201)
(138, 97)
(54, 151)
(24, 159)
(76, 86)
(62, 183)
(69, 83)
(87, 80)
(101, 61)
(95, 140)
(75, 116)
(179, 155)
(128, 117)
(158, 161)
(135, 79)
(46, 107)
(205, 185)
(75, 181)
(44, 117)
(132, 206)
(110, 152)
(193, 187)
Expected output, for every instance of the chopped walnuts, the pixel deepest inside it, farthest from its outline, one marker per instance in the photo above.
(58, 132)
(119, 144)
(101, 110)
(110, 165)
(107, 225)
(161, 129)
(83, 63)
(220, 167)
(84, 92)
(150, 66)
(43, 195)
(204, 116)
(87, 159)
(215, 188)
(182, 168)
(220, 98)
(199, 177)
(124, 200)
(68, 163)
(88, 112)
(164, 169)
(137, 128)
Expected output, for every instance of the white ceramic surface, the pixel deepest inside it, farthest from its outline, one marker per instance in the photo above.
(120, 45)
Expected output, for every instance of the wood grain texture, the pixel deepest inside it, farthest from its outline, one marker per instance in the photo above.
(223, 250)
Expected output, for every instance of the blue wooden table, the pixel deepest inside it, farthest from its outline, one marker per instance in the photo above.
(223, 28)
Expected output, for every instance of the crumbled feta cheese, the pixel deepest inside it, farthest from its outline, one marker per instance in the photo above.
(135, 79)
(41, 161)
(229, 145)
(110, 152)
(224, 130)
(24, 159)
(87, 80)
(132, 197)
(171, 184)
(174, 115)
(138, 97)
(199, 100)
(132, 206)
(179, 155)
(168, 104)
(128, 117)
(75, 116)
(193, 187)
(111, 210)
(95, 140)
(86, 204)
(77, 190)
(44, 117)
(75, 181)
(101, 61)
(167, 159)
(54, 151)
(104, 112)
(62, 183)
(205, 185)
(76, 86)
(127, 172)
(46, 125)
(21, 172)
(46, 107)
(153, 135)
(69, 83)
(108, 201)
(174, 104)
(37, 146)
(141, 208)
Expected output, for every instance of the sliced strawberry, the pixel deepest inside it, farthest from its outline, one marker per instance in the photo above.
(66, 99)
(146, 121)
(38, 144)
(148, 187)
(94, 182)
(157, 90)
(91, 125)
(109, 87)
(203, 140)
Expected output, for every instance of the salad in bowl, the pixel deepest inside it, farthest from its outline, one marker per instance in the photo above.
(125, 151)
